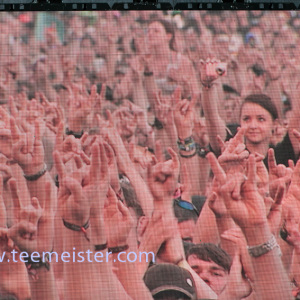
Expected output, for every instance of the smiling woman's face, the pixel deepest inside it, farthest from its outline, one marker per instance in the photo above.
(157, 34)
(258, 123)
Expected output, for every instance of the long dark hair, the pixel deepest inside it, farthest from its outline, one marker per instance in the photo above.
(169, 28)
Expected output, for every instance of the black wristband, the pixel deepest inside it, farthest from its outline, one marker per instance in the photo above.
(77, 135)
(189, 155)
(100, 247)
(38, 264)
(118, 249)
(202, 151)
(37, 175)
(78, 228)
(148, 74)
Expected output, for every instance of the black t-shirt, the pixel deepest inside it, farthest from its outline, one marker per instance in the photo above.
(283, 150)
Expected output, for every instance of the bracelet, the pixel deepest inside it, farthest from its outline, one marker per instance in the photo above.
(148, 74)
(118, 249)
(78, 228)
(259, 250)
(36, 176)
(207, 85)
(202, 151)
(189, 155)
(100, 247)
(77, 135)
(187, 144)
(33, 266)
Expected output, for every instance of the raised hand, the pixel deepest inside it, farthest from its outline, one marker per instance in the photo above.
(292, 197)
(118, 219)
(248, 208)
(163, 178)
(73, 204)
(211, 70)
(27, 148)
(234, 154)
(184, 117)
(24, 232)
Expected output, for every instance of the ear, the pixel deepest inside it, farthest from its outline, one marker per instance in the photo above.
(141, 226)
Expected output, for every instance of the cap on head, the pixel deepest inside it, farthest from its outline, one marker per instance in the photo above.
(169, 277)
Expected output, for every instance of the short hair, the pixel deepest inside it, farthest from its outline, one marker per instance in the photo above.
(213, 253)
(264, 101)
(183, 214)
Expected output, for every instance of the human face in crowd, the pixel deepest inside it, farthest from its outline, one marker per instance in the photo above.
(258, 123)
(157, 35)
(187, 229)
(212, 274)
(229, 107)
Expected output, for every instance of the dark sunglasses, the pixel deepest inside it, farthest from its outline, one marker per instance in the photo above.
(186, 205)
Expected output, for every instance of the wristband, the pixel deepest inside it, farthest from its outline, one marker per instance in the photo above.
(189, 155)
(187, 144)
(78, 228)
(33, 266)
(148, 74)
(207, 85)
(77, 135)
(37, 175)
(100, 247)
(259, 250)
(202, 151)
(118, 249)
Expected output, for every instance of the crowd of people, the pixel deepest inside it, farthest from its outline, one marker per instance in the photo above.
(175, 134)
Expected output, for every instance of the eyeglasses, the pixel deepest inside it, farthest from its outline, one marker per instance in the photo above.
(186, 205)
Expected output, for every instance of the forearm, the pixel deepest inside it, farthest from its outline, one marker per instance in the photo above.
(150, 88)
(214, 124)
(81, 279)
(139, 95)
(271, 280)
(199, 172)
(141, 188)
(130, 276)
(44, 286)
(295, 268)
(36, 190)
(206, 228)
(225, 223)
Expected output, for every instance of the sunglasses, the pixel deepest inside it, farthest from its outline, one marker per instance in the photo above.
(186, 205)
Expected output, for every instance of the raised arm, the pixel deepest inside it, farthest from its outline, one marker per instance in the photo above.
(248, 211)
(209, 72)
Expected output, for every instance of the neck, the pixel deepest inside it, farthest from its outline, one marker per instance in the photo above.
(161, 51)
(261, 148)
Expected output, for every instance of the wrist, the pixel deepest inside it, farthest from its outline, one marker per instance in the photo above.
(34, 172)
(257, 235)
(117, 249)
(264, 248)
(75, 127)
